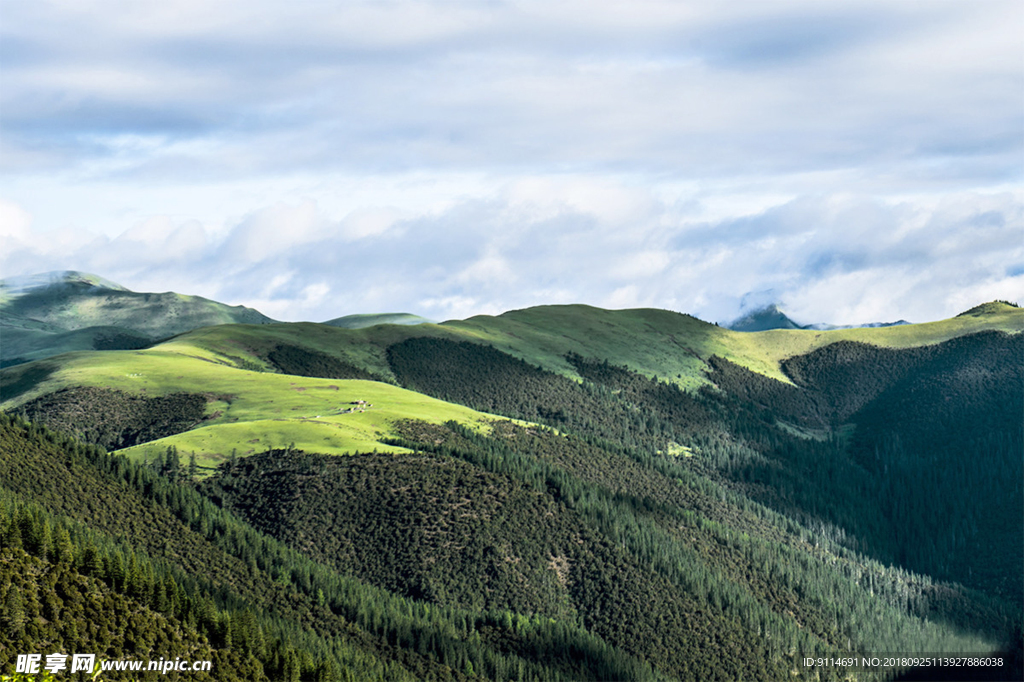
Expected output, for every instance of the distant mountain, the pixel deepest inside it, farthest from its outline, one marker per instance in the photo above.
(16, 286)
(822, 326)
(369, 320)
(56, 312)
(773, 317)
(763, 319)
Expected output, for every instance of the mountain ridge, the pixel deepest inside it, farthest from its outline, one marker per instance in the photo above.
(359, 321)
(56, 312)
(772, 316)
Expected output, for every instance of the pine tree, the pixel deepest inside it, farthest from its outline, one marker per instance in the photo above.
(63, 550)
(14, 612)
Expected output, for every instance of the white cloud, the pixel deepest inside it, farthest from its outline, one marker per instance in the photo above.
(642, 264)
(272, 231)
(628, 296)
(756, 87)
(840, 259)
(15, 222)
(369, 222)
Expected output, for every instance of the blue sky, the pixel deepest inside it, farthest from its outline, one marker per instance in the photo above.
(857, 161)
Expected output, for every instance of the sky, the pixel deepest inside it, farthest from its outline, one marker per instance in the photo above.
(854, 161)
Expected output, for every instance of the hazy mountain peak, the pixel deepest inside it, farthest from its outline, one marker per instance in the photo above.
(769, 317)
(55, 312)
(772, 316)
(368, 320)
(22, 284)
(823, 326)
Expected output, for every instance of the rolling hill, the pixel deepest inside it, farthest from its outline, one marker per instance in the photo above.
(248, 373)
(230, 411)
(57, 312)
(370, 320)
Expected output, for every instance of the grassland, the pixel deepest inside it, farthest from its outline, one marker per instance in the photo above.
(652, 342)
(255, 411)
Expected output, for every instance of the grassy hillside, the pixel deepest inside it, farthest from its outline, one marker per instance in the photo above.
(23, 343)
(245, 411)
(659, 343)
(763, 352)
(60, 312)
(266, 385)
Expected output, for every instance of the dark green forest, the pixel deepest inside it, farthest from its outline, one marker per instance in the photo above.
(114, 419)
(310, 363)
(942, 480)
(272, 612)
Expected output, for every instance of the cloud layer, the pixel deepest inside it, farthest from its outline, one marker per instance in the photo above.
(835, 259)
(859, 160)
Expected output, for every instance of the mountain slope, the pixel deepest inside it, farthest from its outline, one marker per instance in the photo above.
(991, 308)
(243, 369)
(661, 343)
(48, 314)
(214, 409)
(108, 540)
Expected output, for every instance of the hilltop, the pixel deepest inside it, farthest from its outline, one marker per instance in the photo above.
(370, 320)
(991, 308)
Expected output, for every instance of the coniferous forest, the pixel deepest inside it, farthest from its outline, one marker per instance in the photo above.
(605, 524)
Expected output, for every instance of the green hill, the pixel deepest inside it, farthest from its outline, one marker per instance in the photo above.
(215, 409)
(369, 320)
(661, 343)
(991, 308)
(56, 312)
(255, 400)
